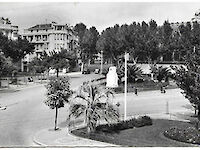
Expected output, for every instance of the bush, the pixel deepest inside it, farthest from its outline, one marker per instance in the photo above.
(123, 125)
(143, 121)
(188, 135)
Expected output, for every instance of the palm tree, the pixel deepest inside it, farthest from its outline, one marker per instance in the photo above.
(93, 101)
(162, 73)
(133, 72)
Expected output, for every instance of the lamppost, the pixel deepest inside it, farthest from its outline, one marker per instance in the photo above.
(126, 56)
(101, 62)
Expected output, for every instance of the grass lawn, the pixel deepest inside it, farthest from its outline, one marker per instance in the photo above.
(147, 136)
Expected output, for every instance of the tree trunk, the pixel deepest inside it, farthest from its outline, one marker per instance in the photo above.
(88, 129)
(173, 54)
(161, 58)
(195, 109)
(57, 72)
(56, 116)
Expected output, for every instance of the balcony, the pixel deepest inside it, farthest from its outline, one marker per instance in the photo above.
(39, 41)
(34, 32)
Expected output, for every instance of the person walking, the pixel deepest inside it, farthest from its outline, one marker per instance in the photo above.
(161, 89)
(136, 91)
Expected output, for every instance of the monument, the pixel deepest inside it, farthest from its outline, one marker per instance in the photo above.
(112, 78)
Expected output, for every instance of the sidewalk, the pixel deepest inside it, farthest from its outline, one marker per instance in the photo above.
(61, 137)
(14, 88)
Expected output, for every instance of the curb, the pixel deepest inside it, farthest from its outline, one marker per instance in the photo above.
(109, 144)
(37, 142)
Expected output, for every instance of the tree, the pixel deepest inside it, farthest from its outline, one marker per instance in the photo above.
(185, 38)
(6, 66)
(37, 66)
(160, 73)
(89, 41)
(188, 79)
(60, 60)
(165, 33)
(15, 49)
(80, 28)
(109, 45)
(94, 102)
(58, 92)
(133, 72)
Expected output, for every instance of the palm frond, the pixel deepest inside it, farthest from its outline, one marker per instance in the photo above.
(76, 110)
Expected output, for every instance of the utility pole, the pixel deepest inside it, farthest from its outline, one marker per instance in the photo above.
(101, 62)
(125, 85)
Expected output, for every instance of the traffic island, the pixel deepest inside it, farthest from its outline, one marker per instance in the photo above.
(146, 136)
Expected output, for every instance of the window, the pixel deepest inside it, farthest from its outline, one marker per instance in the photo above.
(55, 36)
(59, 27)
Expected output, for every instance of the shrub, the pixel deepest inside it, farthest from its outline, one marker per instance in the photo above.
(143, 121)
(188, 135)
(123, 125)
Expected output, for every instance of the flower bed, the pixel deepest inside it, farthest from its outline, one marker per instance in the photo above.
(188, 135)
(139, 122)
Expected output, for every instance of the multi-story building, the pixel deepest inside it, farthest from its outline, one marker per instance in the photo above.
(8, 29)
(49, 37)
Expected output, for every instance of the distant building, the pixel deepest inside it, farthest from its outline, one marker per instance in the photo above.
(8, 29)
(196, 16)
(49, 37)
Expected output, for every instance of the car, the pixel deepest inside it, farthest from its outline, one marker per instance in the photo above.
(96, 71)
(87, 71)
(3, 107)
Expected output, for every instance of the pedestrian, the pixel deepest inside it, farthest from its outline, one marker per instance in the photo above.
(164, 90)
(161, 89)
(136, 92)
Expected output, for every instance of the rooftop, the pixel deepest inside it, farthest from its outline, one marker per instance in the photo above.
(41, 27)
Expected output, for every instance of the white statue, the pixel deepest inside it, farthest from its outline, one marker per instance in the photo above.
(112, 78)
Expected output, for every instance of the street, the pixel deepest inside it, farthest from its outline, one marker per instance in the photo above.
(26, 113)
(154, 102)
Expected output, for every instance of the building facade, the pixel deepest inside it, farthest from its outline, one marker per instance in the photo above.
(49, 37)
(8, 29)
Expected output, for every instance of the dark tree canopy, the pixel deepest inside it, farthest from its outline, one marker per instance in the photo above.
(15, 49)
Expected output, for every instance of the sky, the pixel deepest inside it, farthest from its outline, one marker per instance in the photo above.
(98, 14)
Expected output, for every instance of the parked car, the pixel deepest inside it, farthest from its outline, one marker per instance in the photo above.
(96, 71)
(87, 71)
(2, 107)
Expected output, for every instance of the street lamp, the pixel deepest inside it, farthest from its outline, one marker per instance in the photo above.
(101, 62)
(126, 56)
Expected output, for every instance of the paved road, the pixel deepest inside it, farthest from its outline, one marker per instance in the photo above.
(154, 102)
(26, 114)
